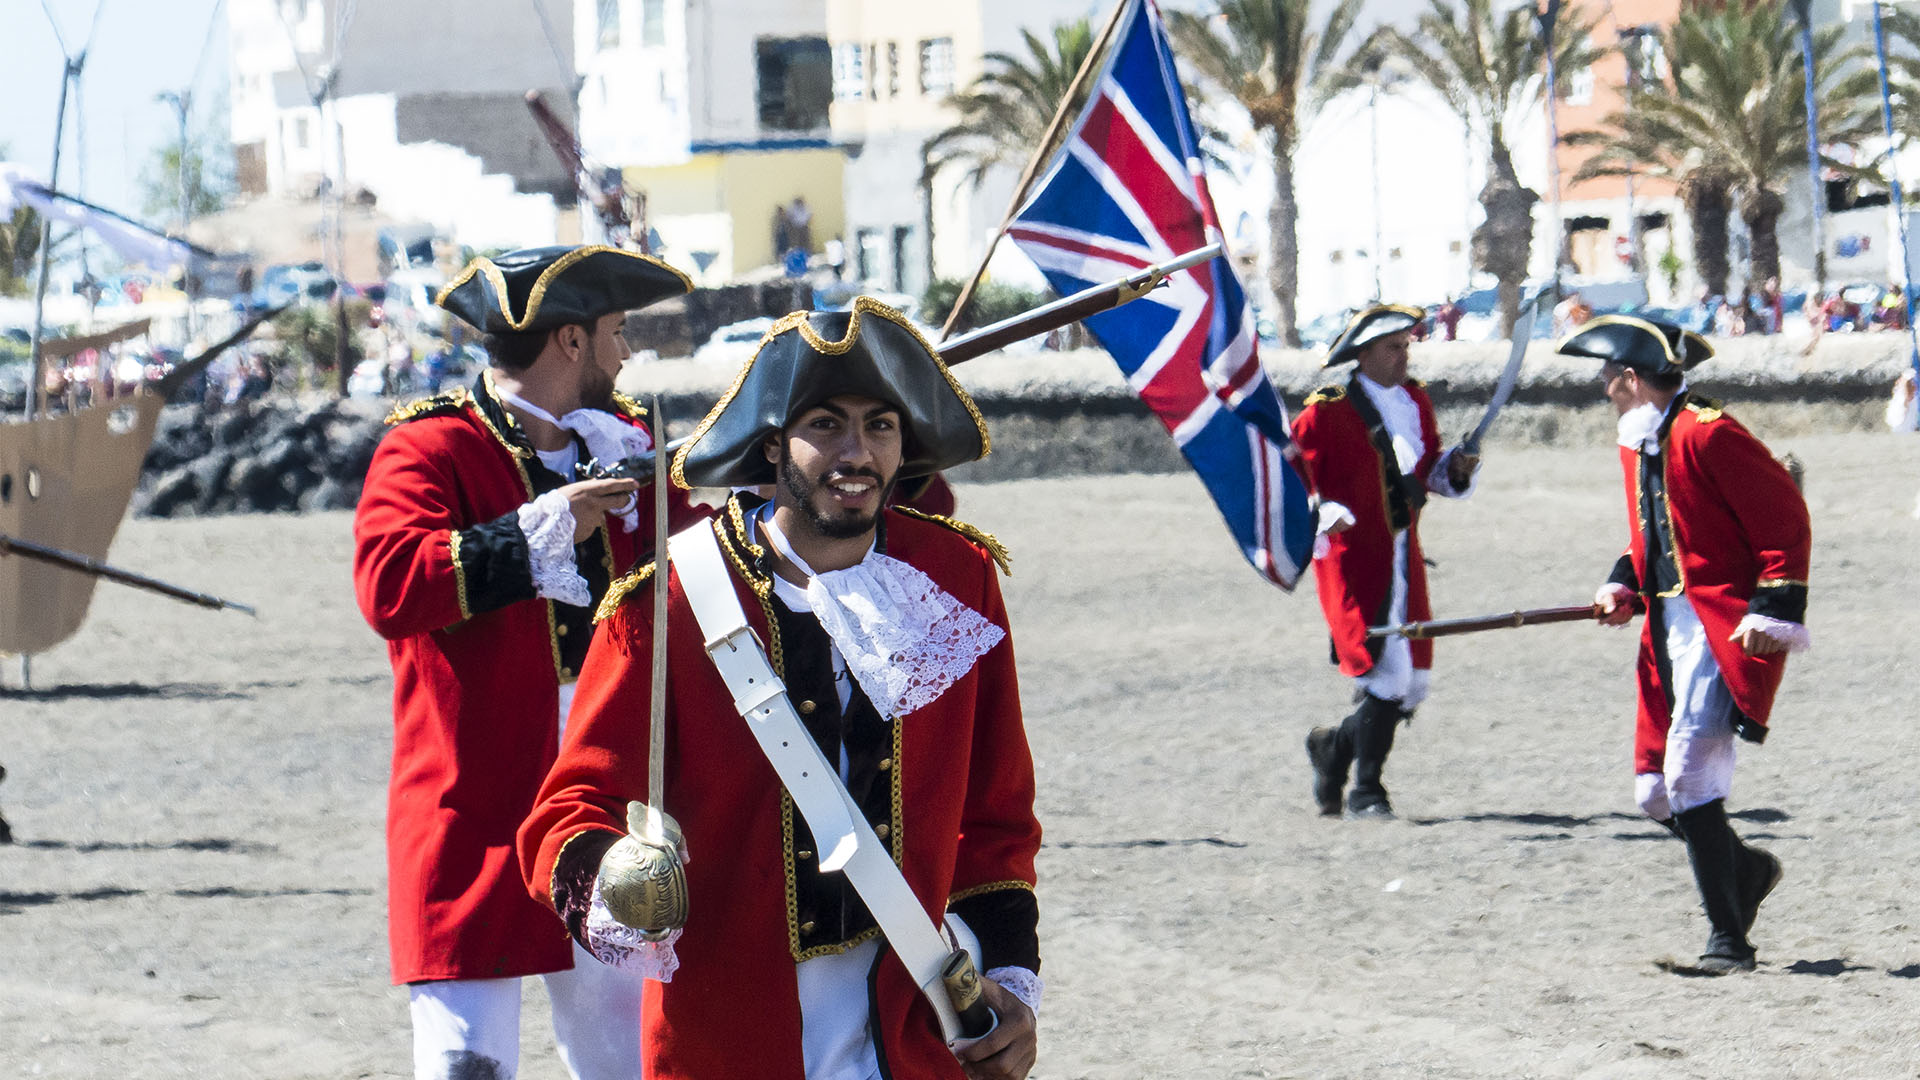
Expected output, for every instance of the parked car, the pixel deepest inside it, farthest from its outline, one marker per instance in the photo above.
(733, 342)
(285, 283)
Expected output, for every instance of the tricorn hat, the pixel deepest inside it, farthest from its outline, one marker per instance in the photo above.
(1373, 323)
(808, 357)
(541, 288)
(1646, 345)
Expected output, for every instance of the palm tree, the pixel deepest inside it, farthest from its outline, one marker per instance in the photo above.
(1010, 103)
(1490, 67)
(19, 250)
(1731, 125)
(1283, 73)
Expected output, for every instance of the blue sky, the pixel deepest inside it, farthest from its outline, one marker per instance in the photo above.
(139, 48)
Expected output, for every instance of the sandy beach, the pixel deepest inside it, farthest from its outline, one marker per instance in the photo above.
(198, 884)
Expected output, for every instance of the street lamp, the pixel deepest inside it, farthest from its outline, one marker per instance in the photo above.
(1804, 9)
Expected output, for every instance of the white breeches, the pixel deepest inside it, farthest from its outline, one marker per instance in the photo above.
(1700, 742)
(1393, 677)
(471, 1027)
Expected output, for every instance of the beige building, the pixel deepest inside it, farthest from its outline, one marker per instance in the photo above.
(894, 66)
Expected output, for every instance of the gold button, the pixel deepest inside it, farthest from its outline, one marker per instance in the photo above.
(886, 763)
(566, 673)
(807, 927)
(806, 708)
(561, 630)
(881, 830)
(803, 856)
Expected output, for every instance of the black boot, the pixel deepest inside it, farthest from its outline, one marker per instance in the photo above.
(1330, 752)
(1722, 867)
(1369, 730)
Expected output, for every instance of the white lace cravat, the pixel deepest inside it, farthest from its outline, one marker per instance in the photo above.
(905, 639)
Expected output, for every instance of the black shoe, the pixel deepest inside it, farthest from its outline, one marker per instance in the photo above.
(1727, 897)
(1761, 873)
(1329, 769)
(1380, 810)
(1370, 732)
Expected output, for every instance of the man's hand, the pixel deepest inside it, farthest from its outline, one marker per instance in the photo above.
(1008, 1050)
(592, 500)
(1460, 469)
(1756, 642)
(1615, 602)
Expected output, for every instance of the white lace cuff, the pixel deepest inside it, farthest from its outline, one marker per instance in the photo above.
(1795, 636)
(548, 524)
(1328, 515)
(1619, 592)
(618, 945)
(1021, 983)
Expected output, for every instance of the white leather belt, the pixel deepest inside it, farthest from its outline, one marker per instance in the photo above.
(846, 841)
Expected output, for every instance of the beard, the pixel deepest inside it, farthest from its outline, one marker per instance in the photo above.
(596, 386)
(831, 524)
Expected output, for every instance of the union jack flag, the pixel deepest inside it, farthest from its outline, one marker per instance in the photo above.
(1127, 191)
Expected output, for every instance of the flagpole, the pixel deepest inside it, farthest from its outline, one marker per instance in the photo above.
(1042, 154)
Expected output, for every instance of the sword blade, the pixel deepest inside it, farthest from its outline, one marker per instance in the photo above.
(657, 714)
(1510, 375)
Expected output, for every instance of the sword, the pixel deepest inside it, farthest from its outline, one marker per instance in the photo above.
(1433, 628)
(642, 878)
(1510, 375)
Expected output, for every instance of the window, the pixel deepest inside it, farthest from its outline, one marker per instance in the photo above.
(849, 71)
(653, 22)
(893, 69)
(795, 83)
(901, 235)
(301, 132)
(936, 67)
(873, 72)
(609, 24)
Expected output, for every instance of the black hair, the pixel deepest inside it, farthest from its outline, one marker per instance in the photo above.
(1666, 382)
(515, 351)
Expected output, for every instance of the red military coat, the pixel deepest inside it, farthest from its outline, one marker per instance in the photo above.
(1355, 577)
(478, 661)
(1742, 540)
(961, 823)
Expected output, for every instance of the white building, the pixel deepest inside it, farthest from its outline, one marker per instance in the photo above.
(419, 105)
(895, 64)
(716, 113)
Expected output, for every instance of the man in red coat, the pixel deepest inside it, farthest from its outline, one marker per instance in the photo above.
(479, 558)
(888, 630)
(1717, 551)
(1371, 451)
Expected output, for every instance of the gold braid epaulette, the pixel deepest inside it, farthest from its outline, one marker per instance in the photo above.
(627, 407)
(1327, 394)
(451, 401)
(1704, 409)
(986, 540)
(618, 591)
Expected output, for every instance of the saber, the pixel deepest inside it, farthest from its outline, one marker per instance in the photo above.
(1510, 375)
(642, 878)
(657, 719)
(86, 564)
(1433, 628)
(1048, 317)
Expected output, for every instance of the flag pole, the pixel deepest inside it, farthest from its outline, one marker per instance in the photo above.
(1042, 153)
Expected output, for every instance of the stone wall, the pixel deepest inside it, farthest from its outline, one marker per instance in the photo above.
(1049, 414)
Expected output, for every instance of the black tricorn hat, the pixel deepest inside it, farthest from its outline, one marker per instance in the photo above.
(808, 357)
(541, 288)
(1648, 345)
(1373, 323)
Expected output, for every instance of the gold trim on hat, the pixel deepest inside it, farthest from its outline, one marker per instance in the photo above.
(1638, 324)
(802, 321)
(485, 266)
(1353, 324)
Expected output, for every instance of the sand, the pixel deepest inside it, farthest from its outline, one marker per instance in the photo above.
(198, 888)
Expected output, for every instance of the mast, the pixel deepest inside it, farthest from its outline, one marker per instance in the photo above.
(36, 377)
